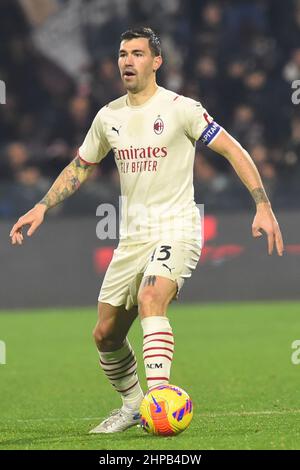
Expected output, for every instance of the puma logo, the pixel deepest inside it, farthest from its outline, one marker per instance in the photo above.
(170, 269)
(116, 130)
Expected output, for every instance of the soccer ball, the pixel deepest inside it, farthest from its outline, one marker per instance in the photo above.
(166, 410)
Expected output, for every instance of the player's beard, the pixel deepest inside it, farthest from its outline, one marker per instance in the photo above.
(132, 86)
(139, 82)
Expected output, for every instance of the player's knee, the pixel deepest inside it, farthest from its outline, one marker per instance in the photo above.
(150, 299)
(105, 338)
(101, 334)
(97, 334)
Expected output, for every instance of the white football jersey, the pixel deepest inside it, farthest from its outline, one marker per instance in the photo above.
(154, 150)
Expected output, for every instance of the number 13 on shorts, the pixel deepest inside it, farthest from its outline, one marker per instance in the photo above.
(173, 260)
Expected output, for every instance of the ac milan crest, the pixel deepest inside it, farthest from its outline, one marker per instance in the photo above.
(158, 126)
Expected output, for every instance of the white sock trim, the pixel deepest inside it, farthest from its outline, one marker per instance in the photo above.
(155, 322)
(111, 355)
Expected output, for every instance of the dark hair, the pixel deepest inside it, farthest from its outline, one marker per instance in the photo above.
(143, 32)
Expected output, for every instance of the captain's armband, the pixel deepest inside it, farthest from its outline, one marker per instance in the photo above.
(210, 132)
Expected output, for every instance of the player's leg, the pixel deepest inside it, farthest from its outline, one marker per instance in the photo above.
(155, 294)
(117, 358)
(169, 265)
(112, 326)
(118, 362)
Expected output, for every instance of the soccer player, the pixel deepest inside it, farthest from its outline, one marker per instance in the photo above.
(152, 132)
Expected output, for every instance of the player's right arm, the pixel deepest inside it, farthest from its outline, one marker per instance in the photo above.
(94, 148)
(69, 180)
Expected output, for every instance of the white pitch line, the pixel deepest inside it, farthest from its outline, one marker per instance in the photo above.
(204, 415)
(250, 413)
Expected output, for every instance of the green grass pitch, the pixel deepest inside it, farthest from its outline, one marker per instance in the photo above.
(233, 359)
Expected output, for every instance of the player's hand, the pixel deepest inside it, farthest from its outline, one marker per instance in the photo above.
(265, 220)
(34, 218)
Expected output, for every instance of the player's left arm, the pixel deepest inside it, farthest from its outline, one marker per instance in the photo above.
(245, 168)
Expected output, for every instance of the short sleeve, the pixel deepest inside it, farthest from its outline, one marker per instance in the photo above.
(196, 118)
(95, 145)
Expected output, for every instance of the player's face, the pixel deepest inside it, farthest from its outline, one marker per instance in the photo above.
(137, 64)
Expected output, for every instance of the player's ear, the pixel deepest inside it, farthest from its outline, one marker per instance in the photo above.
(157, 62)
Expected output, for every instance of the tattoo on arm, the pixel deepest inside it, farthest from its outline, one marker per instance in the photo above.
(69, 180)
(149, 281)
(259, 195)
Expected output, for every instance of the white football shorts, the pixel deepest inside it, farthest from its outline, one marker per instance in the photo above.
(174, 260)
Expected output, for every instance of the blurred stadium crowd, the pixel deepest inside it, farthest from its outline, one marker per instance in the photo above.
(238, 58)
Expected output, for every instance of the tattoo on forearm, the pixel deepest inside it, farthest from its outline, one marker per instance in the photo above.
(67, 182)
(259, 195)
(149, 281)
